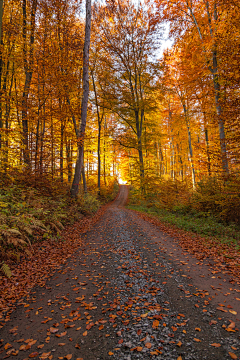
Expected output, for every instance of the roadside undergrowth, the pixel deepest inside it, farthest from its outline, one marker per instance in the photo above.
(45, 258)
(34, 210)
(40, 227)
(203, 236)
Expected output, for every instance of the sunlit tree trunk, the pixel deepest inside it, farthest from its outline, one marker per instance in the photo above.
(190, 145)
(28, 68)
(79, 162)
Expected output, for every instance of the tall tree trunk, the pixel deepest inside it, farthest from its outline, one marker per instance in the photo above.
(28, 68)
(84, 177)
(1, 65)
(99, 118)
(139, 142)
(69, 158)
(99, 157)
(79, 162)
(61, 150)
(215, 77)
(104, 151)
(7, 114)
(190, 146)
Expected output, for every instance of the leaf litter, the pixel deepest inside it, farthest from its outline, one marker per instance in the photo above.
(131, 307)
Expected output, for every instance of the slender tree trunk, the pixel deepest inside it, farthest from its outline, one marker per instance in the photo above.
(99, 157)
(1, 65)
(208, 153)
(79, 162)
(190, 146)
(7, 114)
(215, 76)
(69, 158)
(104, 151)
(61, 150)
(42, 141)
(139, 142)
(84, 177)
(28, 67)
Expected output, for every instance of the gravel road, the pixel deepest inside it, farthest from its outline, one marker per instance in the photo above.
(131, 293)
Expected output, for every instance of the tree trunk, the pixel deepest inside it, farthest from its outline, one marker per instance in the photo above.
(61, 151)
(79, 162)
(99, 157)
(28, 68)
(1, 63)
(139, 142)
(190, 146)
(84, 177)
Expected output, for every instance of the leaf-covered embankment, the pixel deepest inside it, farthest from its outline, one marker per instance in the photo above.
(40, 228)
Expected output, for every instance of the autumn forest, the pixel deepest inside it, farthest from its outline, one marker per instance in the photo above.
(120, 169)
(150, 117)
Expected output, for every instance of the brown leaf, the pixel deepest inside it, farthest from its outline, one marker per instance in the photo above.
(110, 353)
(155, 324)
(45, 355)
(197, 340)
(232, 325)
(215, 345)
(68, 357)
(53, 330)
(148, 345)
(139, 348)
(85, 333)
(22, 347)
(232, 355)
(179, 344)
(7, 346)
(61, 344)
(62, 334)
(33, 354)
(32, 342)
(221, 308)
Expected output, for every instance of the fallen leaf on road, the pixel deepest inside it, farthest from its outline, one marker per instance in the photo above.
(32, 342)
(215, 345)
(155, 324)
(45, 355)
(232, 325)
(68, 357)
(7, 346)
(232, 355)
(33, 355)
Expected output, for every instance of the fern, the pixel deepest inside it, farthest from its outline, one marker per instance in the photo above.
(6, 269)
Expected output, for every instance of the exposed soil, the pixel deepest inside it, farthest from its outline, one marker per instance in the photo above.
(130, 293)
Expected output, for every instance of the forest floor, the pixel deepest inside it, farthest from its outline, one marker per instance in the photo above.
(127, 291)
